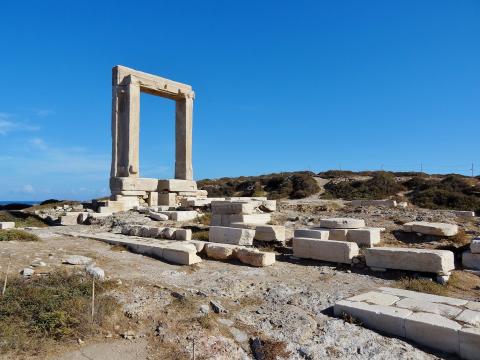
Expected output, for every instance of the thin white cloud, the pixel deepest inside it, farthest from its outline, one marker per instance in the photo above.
(9, 124)
(43, 113)
(39, 143)
(28, 189)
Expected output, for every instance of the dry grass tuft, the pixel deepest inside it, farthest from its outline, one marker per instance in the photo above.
(42, 311)
(421, 285)
(17, 235)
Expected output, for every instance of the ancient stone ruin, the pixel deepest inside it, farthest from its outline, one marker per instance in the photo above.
(128, 188)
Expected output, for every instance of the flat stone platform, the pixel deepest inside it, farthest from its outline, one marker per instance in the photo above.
(446, 324)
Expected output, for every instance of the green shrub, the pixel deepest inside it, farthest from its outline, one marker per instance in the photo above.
(382, 185)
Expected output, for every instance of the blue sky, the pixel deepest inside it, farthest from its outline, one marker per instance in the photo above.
(300, 85)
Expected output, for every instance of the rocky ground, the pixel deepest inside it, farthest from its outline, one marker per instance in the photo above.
(281, 311)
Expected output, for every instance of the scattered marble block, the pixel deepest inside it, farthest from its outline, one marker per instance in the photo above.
(229, 235)
(255, 257)
(312, 234)
(325, 250)
(424, 260)
(7, 225)
(430, 228)
(475, 246)
(176, 185)
(471, 260)
(342, 223)
(364, 237)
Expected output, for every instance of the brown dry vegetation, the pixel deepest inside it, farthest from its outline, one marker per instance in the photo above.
(22, 219)
(17, 235)
(38, 313)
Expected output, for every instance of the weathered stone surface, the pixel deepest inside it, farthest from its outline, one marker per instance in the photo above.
(376, 298)
(7, 225)
(471, 261)
(427, 306)
(469, 343)
(219, 251)
(235, 207)
(473, 305)
(464, 214)
(269, 205)
(27, 272)
(227, 220)
(77, 260)
(270, 233)
(69, 219)
(183, 254)
(424, 297)
(175, 185)
(425, 260)
(338, 234)
(133, 184)
(312, 234)
(157, 216)
(469, 317)
(183, 234)
(167, 199)
(475, 246)
(384, 318)
(342, 223)
(228, 235)
(255, 257)
(181, 215)
(433, 330)
(95, 272)
(382, 203)
(326, 250)
(430, 228)
(364, 237)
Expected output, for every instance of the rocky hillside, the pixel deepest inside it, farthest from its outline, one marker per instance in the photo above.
(450, 191)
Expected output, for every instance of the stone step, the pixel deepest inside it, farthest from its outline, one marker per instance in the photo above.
(439, 322)
(230, 235)
(430, 228)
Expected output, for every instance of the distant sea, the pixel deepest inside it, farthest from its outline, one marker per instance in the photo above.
(26, 202)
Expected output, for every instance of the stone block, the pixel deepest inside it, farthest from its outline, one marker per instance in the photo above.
(175, 185)
(133, 184)
(433, 330)
(338, 234)
(167, 199)
(364, 237)
(228, 235)
(219, 251)
(388, 319)
(464, 214)
(259, 219)
(120, 193)
(270, 233)
(234, 207)
(7, 225)
(216, 220)
(475, 246)
(157, 216)
(153, 198)
(424, 297)
(69, 219)
(471, 261)
(469, 317)
(183, 254)
(427, 306)
(424, 260)
(469, 339)
(181, 215)
(183, 234)
(325, 250)
(312, 234)
(342, 223)
(376, 298)
(255, 257)
(430, 228)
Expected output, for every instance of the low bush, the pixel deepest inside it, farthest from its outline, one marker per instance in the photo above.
(43, 310)
(18, 235)
(380, 186)
(294, 185)
(22, 219)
